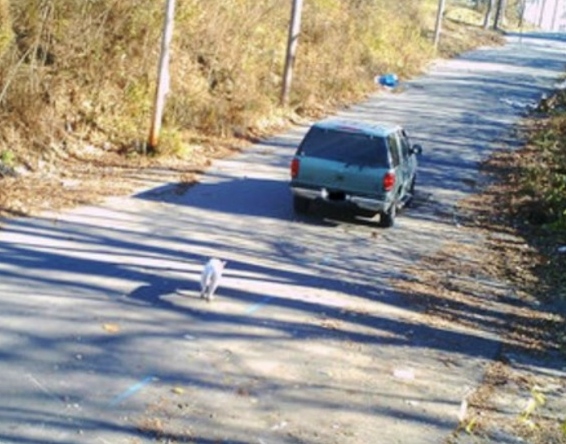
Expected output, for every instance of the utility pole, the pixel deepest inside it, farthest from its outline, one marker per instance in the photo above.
(488, 13)
(500, 14)
(293, 40)
(438, 26)
(162, 77)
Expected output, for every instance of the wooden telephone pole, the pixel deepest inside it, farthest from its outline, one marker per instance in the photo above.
(500, 14)
(438, 26)
(292, 42)
(488, 14)
(162, 77)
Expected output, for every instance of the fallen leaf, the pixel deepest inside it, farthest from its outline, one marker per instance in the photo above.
(470, 426)
(111, 328)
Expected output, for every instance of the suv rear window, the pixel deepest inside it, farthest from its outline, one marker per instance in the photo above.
(347, 147)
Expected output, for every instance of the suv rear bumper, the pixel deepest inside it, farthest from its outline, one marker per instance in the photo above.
(341, 198)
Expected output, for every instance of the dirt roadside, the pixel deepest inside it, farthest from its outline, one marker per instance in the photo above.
(89, 174)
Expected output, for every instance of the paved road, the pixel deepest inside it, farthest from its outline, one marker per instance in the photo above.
(103, 338)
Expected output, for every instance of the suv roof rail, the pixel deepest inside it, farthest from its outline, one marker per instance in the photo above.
(379, 130)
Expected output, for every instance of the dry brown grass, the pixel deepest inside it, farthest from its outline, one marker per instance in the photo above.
(80, 72)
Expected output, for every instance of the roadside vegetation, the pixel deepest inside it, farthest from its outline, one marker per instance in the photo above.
(539, 174)
(76, 73)
(529, 199)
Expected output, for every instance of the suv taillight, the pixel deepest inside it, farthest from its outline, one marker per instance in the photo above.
(389, 181)
(295, 165)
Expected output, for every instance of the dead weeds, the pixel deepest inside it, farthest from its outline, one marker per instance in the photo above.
(67, 183)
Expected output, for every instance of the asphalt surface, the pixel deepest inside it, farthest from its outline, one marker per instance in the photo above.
(104, 339)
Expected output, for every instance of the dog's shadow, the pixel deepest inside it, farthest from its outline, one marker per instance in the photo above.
(162, 295)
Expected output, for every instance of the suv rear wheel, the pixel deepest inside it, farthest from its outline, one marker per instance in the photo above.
(387, 218)
(300, 204)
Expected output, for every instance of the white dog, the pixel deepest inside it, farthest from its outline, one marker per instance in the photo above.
(210, 278)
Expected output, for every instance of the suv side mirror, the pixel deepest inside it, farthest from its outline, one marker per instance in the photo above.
(417, 149)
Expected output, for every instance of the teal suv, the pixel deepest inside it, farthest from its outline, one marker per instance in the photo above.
(368, 168)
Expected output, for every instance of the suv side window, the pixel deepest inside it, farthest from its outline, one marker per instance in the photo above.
(405, 145)
(394, 149)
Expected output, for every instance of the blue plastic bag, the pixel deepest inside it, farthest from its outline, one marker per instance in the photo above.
(389, 80)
